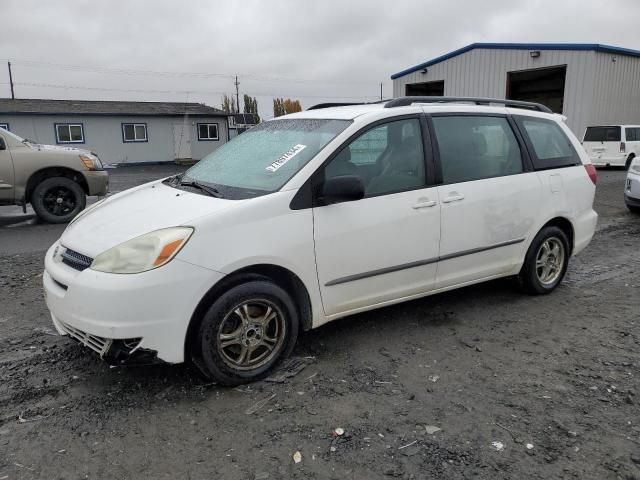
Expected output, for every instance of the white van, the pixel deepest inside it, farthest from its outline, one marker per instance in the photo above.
(612, 145)
(318, 215)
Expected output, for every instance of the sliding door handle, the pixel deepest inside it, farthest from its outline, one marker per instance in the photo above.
(425, 204)
(454, 197)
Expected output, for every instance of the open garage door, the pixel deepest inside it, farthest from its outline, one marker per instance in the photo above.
(425, 89)
(541, 85)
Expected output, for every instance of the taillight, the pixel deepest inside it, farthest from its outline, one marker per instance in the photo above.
(591, 171)
(623, 147)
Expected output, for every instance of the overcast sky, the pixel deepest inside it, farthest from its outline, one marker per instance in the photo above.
(311, 50)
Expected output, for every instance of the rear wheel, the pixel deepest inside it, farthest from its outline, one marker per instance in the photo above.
(245, 333)
(633, 209)
(58, 200)
(546, 261)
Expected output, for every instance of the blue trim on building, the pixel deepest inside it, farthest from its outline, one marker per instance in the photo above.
(521, 46)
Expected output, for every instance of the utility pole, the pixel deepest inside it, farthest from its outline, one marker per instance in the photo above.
(237, 83)
(11, 81)
(380, 90)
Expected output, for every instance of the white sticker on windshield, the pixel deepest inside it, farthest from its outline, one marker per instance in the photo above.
(285, 157)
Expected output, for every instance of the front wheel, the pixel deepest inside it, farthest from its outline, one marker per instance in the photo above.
(245, 333)
(546, 262)
(58, 200)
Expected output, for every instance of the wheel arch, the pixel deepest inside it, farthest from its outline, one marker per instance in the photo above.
(630, 158)
(279, 275)
(50, 172)
(566, 226)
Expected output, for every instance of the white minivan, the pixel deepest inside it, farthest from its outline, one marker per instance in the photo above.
(612, 145)
(318, 215)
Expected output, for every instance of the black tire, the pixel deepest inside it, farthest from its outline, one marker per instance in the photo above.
(633, 209)
(530, 274)
(58, 200)
(222, 364)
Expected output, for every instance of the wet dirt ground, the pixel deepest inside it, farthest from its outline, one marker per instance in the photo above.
(518, 386)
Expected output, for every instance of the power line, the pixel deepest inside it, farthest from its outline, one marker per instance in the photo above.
(132, 72)
(183, 92)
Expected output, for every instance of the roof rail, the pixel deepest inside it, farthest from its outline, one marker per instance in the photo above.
(329, 105)
(345, 104)
(405, 101)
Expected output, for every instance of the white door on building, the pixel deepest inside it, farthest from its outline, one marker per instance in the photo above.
(182, 141)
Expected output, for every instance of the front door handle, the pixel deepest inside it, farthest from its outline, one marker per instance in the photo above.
(425, 204)
(454, 197)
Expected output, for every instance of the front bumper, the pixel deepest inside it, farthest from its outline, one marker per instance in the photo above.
(97, 181)
(115, 315)
(632, 201)
(632, 189)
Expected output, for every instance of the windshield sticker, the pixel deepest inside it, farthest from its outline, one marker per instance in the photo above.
(285, 157)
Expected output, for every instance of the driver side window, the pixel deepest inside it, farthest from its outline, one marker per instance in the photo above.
(389, 158)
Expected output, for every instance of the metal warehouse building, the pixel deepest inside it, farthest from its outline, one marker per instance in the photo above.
(591, 84)
(120, 132)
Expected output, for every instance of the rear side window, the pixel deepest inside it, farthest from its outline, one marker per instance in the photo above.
(475, 147)
(632, 134)
(551, 146)
(602, 134)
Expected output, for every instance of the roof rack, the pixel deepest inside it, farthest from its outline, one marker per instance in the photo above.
(329, 105)
(405, 101)
(345, 104)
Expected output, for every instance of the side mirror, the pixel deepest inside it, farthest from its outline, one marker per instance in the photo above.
(3, 146)
(345, 188)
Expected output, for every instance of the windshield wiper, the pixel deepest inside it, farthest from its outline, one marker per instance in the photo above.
(214, 192)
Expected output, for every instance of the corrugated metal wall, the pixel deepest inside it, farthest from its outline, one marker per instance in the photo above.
(616, 94)
(483, 73)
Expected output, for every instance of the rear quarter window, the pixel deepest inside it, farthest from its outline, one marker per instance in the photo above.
(632, 134)
(602, 134)
(547, 142)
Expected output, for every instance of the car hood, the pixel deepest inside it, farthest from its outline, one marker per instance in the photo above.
(135, 212)
(58, 148)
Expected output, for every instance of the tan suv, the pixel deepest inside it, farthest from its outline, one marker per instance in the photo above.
(55, 180)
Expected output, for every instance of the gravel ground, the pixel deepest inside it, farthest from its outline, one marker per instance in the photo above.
(517, 386)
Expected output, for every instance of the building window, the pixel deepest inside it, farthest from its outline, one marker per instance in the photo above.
(69, 133)
(5, 126)
(207, 131)
(134, 132)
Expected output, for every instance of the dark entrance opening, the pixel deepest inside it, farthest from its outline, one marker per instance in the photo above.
(425, 89)
(541, 85)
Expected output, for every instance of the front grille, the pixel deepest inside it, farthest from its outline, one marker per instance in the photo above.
(76, 260)
(95, 343)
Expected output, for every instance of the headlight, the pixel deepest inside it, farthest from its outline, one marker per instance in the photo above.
(91, 161)
(146, 252)
(635, 165)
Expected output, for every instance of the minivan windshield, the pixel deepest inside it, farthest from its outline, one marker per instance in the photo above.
(262, 159)
(602, 134)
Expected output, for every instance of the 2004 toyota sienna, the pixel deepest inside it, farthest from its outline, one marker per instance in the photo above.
(318, 215)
